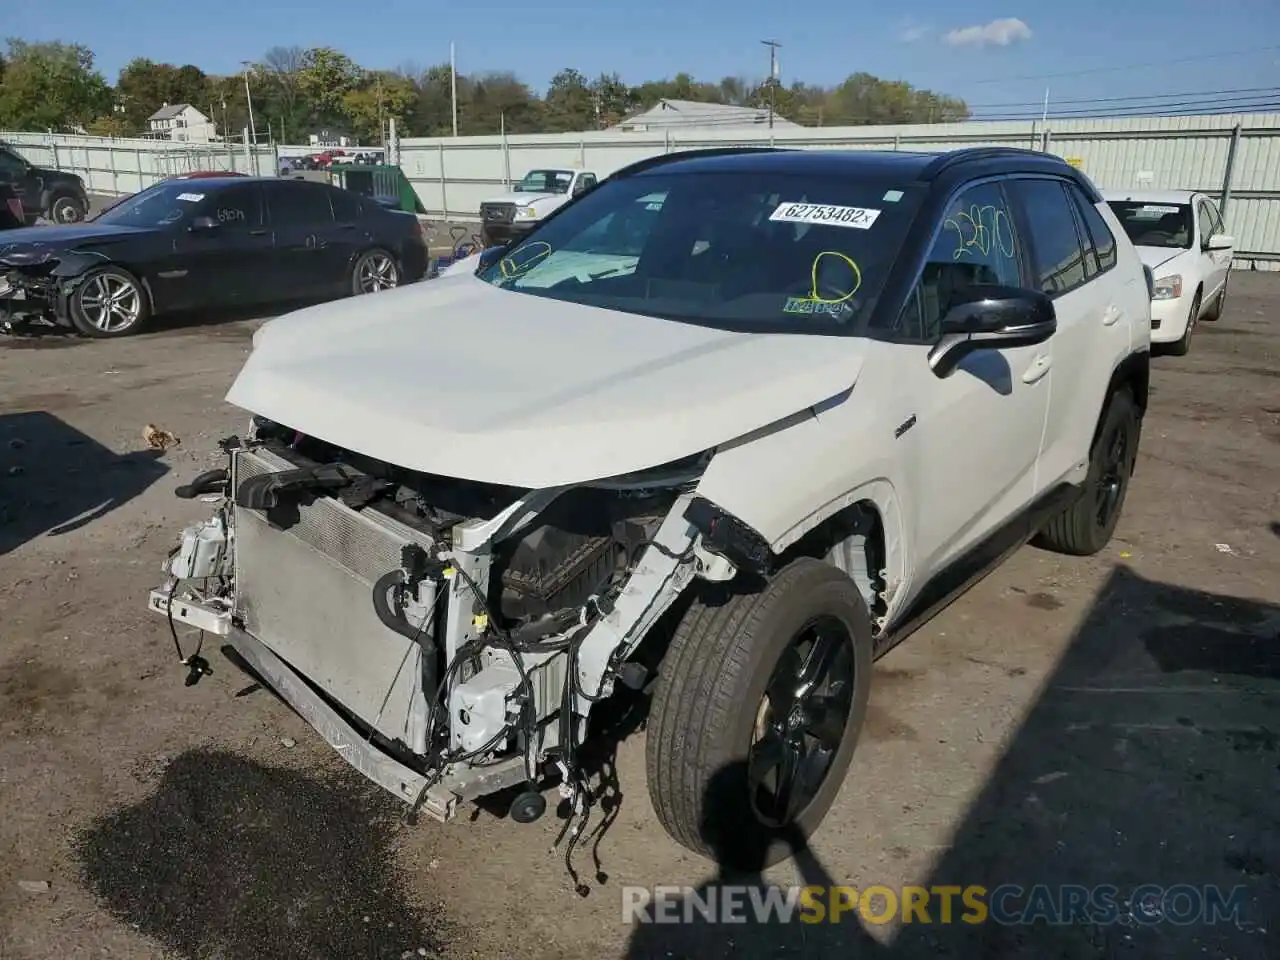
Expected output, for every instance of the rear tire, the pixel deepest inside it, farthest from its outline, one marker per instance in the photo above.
(1086, 526)
(734, 703)
(108, 302)
(374, 271)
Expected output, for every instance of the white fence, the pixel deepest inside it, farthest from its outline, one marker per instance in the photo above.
(1234, 158)
(114, 166)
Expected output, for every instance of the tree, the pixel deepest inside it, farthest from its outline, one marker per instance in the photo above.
(613, 98)
(51, 86)
(570, 104)
(325, 77)
(380, 97)
(280, 76)
(492, 102)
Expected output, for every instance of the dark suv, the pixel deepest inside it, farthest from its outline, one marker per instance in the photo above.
(53, 194)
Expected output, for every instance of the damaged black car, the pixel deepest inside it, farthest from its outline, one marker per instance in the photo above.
(217, 242)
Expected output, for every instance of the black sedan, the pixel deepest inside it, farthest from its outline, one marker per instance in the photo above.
(213, 242)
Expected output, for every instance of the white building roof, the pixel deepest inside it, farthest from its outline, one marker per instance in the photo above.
(691, 113)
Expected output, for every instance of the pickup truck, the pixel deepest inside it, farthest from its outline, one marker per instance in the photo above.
(53, 194)
(512, 215)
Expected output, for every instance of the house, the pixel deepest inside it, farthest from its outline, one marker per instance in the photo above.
(686, 114)
(183, 122)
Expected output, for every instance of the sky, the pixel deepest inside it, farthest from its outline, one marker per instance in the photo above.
(999, 56)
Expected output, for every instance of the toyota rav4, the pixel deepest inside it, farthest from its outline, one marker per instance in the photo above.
(724, 429)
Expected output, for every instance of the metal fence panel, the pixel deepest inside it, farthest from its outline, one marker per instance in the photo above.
(452, 175)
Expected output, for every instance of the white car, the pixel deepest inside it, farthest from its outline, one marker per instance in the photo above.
(738, 420)
(511, 216)
(1181, 238)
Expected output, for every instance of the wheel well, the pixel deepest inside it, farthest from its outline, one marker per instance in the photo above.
(853, 541)
(1133, 374)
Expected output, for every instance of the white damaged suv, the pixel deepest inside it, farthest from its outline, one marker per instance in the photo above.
(725, 429)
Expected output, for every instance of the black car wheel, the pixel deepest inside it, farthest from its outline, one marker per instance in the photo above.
(109, 302)
(66, 209)
(374, 272)
(759, 703)
(1086, 526)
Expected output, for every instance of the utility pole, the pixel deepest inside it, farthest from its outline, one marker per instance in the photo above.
(248, 96)
(453, 86)
(773, 46)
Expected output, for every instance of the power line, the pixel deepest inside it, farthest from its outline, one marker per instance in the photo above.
(1139, 97)
(1180, 110)
(1130, 66)
(1236, 104)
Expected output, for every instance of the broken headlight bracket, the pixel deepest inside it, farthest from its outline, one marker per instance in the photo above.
(726, 535)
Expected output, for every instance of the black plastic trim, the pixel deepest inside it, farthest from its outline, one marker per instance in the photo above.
(726, 535)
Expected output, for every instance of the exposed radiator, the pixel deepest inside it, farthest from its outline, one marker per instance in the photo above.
(306, 592)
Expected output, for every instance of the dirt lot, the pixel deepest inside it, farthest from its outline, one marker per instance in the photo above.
(1106, 721)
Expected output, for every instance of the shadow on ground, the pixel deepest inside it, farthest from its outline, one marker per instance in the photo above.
(1150, 758)
(55, 479)
(228, 858)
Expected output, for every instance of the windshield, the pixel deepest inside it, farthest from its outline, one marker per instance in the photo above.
(783, 253)
(1155, 224)
(165, 203)
(545, 181)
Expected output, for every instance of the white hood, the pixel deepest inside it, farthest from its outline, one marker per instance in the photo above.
(1161, 260)
(520, 199)
(459, 378)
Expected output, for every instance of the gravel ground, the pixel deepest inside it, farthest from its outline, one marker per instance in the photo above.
(1110, 720)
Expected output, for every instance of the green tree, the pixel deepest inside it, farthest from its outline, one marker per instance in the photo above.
(380, 97)
(325, 77)
(491, 102)
(51, 86)
(570, 104)
(614, 98)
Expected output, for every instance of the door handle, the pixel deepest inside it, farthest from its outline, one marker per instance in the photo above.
(1039, 367)
(1112, 316)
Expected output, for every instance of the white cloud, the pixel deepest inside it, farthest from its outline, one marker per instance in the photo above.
(999, 33)
(911, 31)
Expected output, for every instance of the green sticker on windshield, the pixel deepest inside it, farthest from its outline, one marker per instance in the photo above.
(809, 306)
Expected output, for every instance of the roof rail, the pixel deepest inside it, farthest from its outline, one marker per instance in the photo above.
(945, 160)
(649, 163)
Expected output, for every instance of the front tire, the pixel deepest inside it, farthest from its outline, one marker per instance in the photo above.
(1182, 346)
(66, 209)
(374, 271)
(756, 714)
(108, 302)
(1219, 302)
(1086, 526)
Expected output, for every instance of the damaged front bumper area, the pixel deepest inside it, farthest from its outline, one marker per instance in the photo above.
(29, 289)
(447, 638)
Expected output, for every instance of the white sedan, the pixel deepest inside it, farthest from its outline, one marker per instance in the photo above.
(1181, 238)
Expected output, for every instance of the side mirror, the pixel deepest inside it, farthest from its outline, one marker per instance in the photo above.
(491, 255)
(1220, 241)
(202, 224)
(990, 317)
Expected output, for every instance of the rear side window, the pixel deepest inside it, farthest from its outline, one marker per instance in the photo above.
(346, 206)
(296, 203)
(1057, 260)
